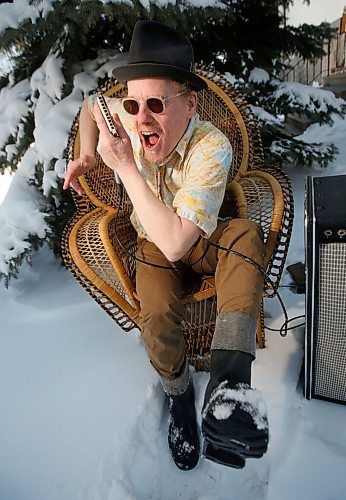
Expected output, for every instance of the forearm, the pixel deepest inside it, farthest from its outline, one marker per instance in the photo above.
(86, 159)
(88, 131)
(173, 235)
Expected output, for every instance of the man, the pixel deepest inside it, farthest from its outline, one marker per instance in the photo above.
(174, 168)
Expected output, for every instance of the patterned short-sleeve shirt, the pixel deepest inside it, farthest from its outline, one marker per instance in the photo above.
(192, 180)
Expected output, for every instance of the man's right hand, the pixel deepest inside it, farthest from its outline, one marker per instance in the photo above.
(75, 169)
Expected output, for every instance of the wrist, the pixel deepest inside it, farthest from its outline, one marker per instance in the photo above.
(88, 161)
(87, 156)
(128, 169)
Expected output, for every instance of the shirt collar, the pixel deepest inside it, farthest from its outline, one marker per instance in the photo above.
(184, 141)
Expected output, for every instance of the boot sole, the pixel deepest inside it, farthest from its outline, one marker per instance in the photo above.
(223, 457)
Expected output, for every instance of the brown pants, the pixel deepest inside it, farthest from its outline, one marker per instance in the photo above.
(239, 287)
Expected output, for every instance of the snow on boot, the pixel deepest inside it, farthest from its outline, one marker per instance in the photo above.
(183, 439)
(235, 422)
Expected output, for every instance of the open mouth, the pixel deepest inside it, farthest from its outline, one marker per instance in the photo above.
(150, 140)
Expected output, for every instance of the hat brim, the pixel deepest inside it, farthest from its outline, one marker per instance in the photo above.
(148, 70)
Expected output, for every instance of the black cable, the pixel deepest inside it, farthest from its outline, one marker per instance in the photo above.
(245, 257)
(291, 327)
(287, 321)
(287, 286)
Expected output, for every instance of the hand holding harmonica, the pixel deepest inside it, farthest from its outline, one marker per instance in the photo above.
(102, 104)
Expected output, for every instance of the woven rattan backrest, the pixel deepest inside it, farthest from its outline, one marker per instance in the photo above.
(222, 105)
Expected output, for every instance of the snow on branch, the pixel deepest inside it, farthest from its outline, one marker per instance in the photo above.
(293, 150)
(163, 3)
(14, 107)
(259, 75)
(20, 216)
(205, 3)
(305, 98)
(13, 14)
(17, 12)
(264, 117)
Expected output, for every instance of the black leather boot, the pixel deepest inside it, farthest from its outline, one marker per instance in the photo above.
(234, 420)
(183, 439)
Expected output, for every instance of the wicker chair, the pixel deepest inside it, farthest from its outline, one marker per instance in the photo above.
(99, 242)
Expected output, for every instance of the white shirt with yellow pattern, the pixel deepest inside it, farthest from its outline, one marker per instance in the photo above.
(192, 180)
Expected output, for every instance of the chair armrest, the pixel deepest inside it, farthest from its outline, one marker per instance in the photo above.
(94, 255)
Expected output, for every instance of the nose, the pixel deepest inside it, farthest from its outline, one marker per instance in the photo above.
(144, 115)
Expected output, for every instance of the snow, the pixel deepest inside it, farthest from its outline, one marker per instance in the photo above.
(12, 14)
(313, 99)
(259, 75)
(265, 117)
(231, 78)
(14, 105)
(20, 214)
(206, 3)
(224, 400)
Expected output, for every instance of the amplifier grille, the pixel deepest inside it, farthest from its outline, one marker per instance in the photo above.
(330, 374)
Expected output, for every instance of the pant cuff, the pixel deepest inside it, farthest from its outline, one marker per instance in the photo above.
(179, 384)
(235, 331)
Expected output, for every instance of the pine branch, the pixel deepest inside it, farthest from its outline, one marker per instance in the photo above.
(296, 152)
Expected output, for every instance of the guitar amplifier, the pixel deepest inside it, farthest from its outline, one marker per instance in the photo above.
(325, 263)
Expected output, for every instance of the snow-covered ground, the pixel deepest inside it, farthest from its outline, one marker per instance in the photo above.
(83, 414)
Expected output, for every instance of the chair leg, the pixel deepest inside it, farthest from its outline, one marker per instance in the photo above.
(260, 329)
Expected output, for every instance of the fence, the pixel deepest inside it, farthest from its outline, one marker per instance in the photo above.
(332, 62)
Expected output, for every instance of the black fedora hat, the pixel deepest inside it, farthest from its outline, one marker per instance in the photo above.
(159, 51)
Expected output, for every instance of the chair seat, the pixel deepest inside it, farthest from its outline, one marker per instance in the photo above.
(198, 287)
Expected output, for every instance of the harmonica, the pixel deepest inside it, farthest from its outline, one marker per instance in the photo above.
(101, 101)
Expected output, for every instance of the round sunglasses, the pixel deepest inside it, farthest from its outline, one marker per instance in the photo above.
(154, 104)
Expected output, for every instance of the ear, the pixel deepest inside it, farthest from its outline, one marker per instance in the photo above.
(192, 103)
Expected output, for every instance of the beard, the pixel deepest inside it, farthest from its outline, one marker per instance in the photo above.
(153, 158)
